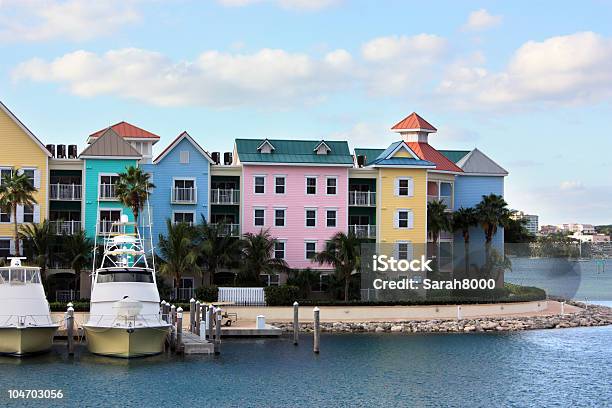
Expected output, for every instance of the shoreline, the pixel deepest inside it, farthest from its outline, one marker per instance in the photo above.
(587, 316)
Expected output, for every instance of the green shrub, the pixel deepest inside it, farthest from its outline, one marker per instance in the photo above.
(283, 295)
(207, 293)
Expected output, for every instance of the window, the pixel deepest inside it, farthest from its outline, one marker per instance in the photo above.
(28, 213)
(259, 217)
(184, 191)
(332, 216)
(30, 175)
(279, 250)
(107, 218)
(186, 217)
(5, 215)
(404, 186)
(260, 184)
(107, 185)
(311, 185)
(404, 250)
(5, 247)
(4, 173)
(404, 219)
(270, 279)
(279, 184)
(184, 157)
(310, 249)
(279, 217)
(311, 217)
(332, 185)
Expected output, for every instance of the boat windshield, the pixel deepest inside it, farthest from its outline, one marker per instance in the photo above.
(125, 275)
(17, 276)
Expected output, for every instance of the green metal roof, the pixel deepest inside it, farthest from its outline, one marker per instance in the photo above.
(370, 154)
(293, 151)
(454, 155)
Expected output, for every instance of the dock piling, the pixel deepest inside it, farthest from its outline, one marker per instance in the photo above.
(317, 330)
(192, 304)
(296, 323)
(202, 321)
(218, 331)
(196, 323)
(179, 329)
(70, 329)
(210, 322)
(172, 327)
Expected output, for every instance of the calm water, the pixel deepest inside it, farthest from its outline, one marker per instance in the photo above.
(563, 368)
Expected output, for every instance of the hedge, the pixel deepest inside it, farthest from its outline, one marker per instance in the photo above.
(283, 295)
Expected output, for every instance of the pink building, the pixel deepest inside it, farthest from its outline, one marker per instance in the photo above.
(297, 190)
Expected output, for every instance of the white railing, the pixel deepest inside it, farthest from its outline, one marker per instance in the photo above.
(363, 231)
(447, 200)
(362, 198)
(184, 195)
(65, 227)
(182, 293)
(66, 295)
(233, 230)
(65, 192)
(107, 191)
(243, 296)
(224, 196)
(105, 227)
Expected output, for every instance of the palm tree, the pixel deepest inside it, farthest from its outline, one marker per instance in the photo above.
(216, 247)
(77, 250)
(303, 279)
(342, 252)
(258, 258)
(178, 252)
(463, 220)
(492, 212)
(133, 189)
(16, 190)
(40, 239)
(438, 220)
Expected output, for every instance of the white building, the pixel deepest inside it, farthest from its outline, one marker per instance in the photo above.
(531, 224)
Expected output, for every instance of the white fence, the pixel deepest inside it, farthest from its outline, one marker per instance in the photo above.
(243, 296)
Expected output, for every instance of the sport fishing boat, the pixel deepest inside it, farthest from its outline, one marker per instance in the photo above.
(124, 318)
(25, 318)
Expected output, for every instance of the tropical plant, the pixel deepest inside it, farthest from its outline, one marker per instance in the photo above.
(438, 220)
(304, 279)
(77, 250)
(216, 247)
(16, 190)
(133, 188)
(463, 220)
(39, 240)
(342, 252)
(258, 258)
(492, 212)
(178, 252)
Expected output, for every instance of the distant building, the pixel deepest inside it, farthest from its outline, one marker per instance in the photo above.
(575, 227)
(549, 229)
(531, 221)
(594, 238)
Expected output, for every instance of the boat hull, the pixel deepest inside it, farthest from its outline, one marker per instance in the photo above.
(20, 341)
(126, 342)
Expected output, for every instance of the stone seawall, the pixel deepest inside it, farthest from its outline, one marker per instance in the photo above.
(590, 315)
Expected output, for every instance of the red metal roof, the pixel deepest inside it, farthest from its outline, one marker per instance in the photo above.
(426, 152)
(414, 121)
(127, 130)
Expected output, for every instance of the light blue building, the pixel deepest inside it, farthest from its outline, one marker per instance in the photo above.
(181, 174)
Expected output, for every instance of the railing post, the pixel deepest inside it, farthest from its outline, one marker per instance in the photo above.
(192, 303)
(317, 330)
(196, 323)
(179, 329)
(296, 324)
(210, 322)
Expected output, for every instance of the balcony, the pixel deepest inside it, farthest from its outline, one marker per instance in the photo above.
(447, 200)
(363, 231)
(362, 198)
(106, 227)
(225, 196)
(108, 192)
(65, 227)
(184, 195)
(65, 192)
(232, 230)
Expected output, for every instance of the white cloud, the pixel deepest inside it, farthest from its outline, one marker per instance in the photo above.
(74, 20)
(366, 134)
(305, 5)
(571, 185)
(481, 20)
(560, 70)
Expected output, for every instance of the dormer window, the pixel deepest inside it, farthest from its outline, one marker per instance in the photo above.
(322, 148)
(265, 147)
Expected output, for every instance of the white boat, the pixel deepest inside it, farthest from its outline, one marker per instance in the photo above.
(26, 326)
(124, 318)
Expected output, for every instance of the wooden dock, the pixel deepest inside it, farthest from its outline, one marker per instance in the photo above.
(193, 344)
(250, 331)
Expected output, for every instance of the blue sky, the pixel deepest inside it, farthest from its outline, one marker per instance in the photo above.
(528, 83)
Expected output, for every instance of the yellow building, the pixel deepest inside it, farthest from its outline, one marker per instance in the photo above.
(23, 151)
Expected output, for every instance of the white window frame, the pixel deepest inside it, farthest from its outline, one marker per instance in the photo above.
(306, 178)
(255, 209)
(409, 249)
(316, 215)
(9, 169)
(33, 213)
(410, 187)
(255, 177)
(327, 178)
(306, 242)
(99, 219)
(335, 210)
(284, 210)
(33, 170)
(183, 157)
(396, 221)
(100, 175)
(8, 212)
(284, 242)
(10, 243)
(284, 177)
(183, 212)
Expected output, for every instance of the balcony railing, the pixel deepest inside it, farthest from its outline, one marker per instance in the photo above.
(65, 192)
(65, 227)
(448, 200)
(184, 195)
(66, 295)
(232, 230)
(182, 293)
(224, 196)
(108, 192)
(362, 198)
(363, 231)
(106, 227)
